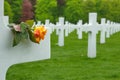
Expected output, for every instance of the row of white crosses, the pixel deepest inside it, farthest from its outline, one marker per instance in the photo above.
(106, 29)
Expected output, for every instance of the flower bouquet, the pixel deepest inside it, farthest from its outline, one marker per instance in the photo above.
(26, 30)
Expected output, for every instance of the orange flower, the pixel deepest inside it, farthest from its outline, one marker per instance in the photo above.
(39, 33)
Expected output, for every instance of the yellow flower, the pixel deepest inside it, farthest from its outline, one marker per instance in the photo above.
(39, 33)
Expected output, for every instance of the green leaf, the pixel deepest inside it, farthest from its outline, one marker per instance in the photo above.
(30, 23)
(24, 35)
(17, 38)
(23, 27)
(31, 36)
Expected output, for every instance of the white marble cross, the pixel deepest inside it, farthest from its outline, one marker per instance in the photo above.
(61, 32)
(66, 29)
(79, 29)
(92, 31)
(26, 51)
(108, 29)
(103, 30)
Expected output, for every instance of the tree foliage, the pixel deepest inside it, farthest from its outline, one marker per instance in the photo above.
(8, 10)
(46, 9)
(27, 13)
(16, 6)
(33, 2)
(72, 10)
(73, 13)
(60, 6)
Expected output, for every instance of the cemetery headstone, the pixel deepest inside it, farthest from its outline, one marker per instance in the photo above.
(92, 35)
(26, 51)
(61, 32)
(103, 30)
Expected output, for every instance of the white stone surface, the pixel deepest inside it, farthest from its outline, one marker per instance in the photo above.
(26, 51)
(103, 30)
(38, 23)
(108, 29)
(66, 28)
(6, 20)
(61, 32)
(92, 35)
(79, 29)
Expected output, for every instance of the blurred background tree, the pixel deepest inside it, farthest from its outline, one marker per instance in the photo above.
(16, 6)
(72, 10)
(46, 9)
(33, 2)
(27, 11)
(60, 7)
(8, 11)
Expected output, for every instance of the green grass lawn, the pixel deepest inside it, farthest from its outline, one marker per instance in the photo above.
(71, 63)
